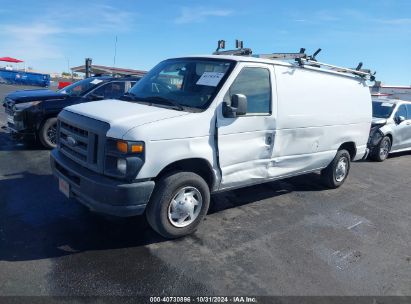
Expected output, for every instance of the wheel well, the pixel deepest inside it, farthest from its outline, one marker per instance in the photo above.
(350, 147)
(390, 136)
(196, 165)
(43, 120)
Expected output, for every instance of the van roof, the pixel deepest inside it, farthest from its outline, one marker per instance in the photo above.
(240, 58)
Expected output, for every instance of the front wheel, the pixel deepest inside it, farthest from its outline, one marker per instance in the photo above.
(337, 171)
(380, 152)
(179, 203)
(48, 133)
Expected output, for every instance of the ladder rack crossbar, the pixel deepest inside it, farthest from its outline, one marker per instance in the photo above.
(337, 68)
(284, 56)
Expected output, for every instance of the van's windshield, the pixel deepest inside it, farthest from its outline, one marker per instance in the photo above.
(182, 83)
(382, 109)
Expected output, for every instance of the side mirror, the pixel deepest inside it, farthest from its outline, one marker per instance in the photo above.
(400, 119)
(238, 106)
(96, 97)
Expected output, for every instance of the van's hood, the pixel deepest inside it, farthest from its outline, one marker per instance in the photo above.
(34, 95)
(378, 121)
(123, 115)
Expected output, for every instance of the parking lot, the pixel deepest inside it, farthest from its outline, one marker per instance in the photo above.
(291, 237)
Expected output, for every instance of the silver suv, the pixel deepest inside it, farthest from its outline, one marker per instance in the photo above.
(391, 128)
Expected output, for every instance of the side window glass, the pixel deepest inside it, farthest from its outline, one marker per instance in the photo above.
(408, 112)
(255, 84)
(402, 111)
(111, 90)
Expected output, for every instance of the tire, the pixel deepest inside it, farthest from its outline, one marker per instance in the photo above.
(180, 187)
(45, 133)
(337, 171)
(380, 152)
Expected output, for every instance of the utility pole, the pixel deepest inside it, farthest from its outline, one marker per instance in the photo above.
(115, 52)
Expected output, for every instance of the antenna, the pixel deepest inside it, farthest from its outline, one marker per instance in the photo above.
(115, 52)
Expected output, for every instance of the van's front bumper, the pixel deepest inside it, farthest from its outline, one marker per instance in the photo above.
(100, 193)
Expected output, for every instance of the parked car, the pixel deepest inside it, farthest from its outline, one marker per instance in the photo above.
(198, 125)
(33, 113)
(391, 128)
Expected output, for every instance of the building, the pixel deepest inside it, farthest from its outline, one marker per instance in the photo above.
(106, 70)
(387, 91)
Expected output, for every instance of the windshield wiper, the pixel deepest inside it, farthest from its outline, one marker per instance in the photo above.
(164, 100)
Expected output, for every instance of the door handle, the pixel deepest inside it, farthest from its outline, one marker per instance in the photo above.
(269, 139)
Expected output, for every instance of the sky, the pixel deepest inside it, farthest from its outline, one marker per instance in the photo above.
(52, 35)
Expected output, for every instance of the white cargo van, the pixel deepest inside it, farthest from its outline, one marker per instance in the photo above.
(198, 125)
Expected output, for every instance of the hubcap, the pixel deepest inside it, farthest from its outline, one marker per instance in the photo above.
(341, 169)
(52, 134)
(185, 207)
(385, 149)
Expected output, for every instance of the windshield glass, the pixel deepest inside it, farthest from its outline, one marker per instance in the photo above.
(79, 87)
(187, 82)
(382, 109)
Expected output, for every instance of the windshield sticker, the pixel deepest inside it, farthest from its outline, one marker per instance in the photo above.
(386, 104)
(96, 81)
(211, 79)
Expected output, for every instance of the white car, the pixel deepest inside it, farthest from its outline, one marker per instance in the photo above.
(391, 128)
(198, 125)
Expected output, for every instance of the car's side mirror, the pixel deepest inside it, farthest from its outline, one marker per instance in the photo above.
(237, 107)
(96, 97)
(400, 119)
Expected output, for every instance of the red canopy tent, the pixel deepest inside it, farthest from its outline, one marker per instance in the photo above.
(9, 59)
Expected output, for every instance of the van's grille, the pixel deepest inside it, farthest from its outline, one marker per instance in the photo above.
(82, 140)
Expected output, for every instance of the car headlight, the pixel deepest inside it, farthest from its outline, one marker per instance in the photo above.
(25, 105)
(122, 165)
(124, 159)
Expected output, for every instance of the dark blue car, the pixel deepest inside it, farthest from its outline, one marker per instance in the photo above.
(33, 113)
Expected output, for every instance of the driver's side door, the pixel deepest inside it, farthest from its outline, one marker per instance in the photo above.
(245, 143)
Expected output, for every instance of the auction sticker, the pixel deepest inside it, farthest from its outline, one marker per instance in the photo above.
(211, 79)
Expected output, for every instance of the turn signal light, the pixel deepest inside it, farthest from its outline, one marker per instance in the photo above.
(122, 146)
(137, 148)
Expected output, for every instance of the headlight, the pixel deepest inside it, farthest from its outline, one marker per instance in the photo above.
(122, 165)
(124, 159)
(25, 105)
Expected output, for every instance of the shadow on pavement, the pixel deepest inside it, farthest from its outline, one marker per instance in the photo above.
(7, 143)
(38, 222)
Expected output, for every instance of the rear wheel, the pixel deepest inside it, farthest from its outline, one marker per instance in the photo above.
(48, 133)
(179, 203)
(380, 153)
(337, 171)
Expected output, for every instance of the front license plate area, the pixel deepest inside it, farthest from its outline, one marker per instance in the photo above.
(64, 187)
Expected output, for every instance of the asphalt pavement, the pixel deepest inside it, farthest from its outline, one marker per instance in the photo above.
(291, 237)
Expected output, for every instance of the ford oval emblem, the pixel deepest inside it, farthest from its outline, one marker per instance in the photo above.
(71, 141)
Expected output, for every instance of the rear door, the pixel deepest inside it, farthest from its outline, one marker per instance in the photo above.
(401, 132)
(407, 128)
(245, 143)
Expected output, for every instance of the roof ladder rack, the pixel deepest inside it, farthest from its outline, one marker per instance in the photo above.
(301, 58)
(358, 71)
(240, 51)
